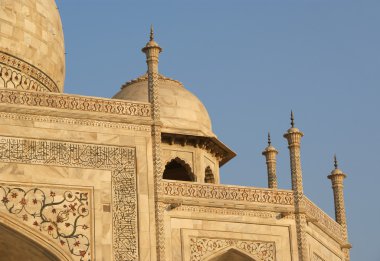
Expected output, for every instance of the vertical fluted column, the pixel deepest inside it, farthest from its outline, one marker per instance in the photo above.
(270, 153)
(337, 177)
(152, 51)
(293, 136)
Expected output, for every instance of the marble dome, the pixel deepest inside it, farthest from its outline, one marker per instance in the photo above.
(32, 53)
(181, 111)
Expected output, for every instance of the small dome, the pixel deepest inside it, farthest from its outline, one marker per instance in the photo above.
(31, 45)
(181, 111)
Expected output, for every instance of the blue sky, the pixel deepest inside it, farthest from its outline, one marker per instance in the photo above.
(251, 62)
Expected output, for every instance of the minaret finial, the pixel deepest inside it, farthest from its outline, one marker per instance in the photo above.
(292, 118)
(151, 32)
(269, 141)
(335, 162)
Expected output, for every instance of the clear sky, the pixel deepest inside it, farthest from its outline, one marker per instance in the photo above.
(251, 62)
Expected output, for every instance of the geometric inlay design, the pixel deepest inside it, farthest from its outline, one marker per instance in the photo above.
(61, 214)
(119, 160)
(202, 247)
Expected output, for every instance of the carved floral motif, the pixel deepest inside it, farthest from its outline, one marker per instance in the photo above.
(12, 79)
(61, 214)
(201, 247)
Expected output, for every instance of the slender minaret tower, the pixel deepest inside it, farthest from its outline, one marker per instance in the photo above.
(152, 51)
(270, 153)
(337, 177)
(294, 135)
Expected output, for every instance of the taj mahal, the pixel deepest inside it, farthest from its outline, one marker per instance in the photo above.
(135, 177)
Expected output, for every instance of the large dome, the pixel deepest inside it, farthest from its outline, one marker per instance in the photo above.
(181, 111)
(32, 54)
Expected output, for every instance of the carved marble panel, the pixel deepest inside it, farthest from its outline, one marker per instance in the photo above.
(121, 162)
(202, 247)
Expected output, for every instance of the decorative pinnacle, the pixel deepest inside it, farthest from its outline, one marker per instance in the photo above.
(151, 33)
(269, 141)
(292, 118)
(335, 162)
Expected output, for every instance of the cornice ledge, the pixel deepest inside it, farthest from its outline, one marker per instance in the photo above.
(319, 218)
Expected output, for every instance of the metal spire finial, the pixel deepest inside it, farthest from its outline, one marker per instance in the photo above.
(151, 33)
(292, 118)
(335, 162)
(269, 141)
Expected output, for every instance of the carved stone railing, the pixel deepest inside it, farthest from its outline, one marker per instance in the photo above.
(228, 193)
(74, 103)
(322, 219)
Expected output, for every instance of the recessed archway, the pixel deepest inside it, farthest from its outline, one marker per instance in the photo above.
(230, 254)
(18, 242)
(178, 169)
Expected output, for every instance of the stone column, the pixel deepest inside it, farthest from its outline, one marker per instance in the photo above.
(293, 136)
(337, 177)
(152, 51)
(270, 153)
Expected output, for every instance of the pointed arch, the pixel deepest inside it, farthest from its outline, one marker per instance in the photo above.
(178, 169)
(209, 175)
(231, 254)
(20, 235)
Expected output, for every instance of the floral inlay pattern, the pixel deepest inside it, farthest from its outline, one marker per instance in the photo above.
(201, 247)
(61, 214)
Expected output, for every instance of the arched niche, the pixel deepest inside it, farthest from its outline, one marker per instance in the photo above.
(230, 254)
(18, 242)
(209, 176)
(178, 169)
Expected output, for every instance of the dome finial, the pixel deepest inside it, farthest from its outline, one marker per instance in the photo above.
(292, 118)
(269, 141)
(151, 33)
(335, 162)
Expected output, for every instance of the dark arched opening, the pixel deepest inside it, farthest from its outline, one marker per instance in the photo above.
(177, 169)
(209, 176)
(15, 247)
(230, 255)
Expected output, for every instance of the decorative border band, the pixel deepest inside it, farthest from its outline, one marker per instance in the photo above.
(237, 194)
(75, 103)
(29, 70)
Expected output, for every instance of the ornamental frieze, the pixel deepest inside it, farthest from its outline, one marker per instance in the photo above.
(241, 194)
(74, 103)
